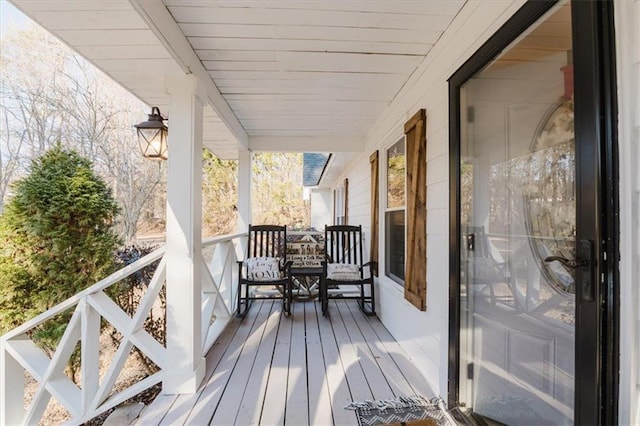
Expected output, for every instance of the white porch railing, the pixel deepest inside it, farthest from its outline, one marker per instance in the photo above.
(95, 393)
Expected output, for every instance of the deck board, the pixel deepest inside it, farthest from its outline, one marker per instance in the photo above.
(251, 403)
(373, 374)
(229, 404)
(416, 380)
(318, 386)
(358, 385)
(297, 411)
(271, 369)
(274, 407)
(340, 393)
(210, 396)
(388, 368)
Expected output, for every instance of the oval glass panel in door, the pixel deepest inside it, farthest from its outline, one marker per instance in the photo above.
(550, 196)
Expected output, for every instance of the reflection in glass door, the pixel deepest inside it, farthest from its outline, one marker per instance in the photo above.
(518, 230)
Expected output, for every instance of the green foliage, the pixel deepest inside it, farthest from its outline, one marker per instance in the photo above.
(219, 195)
(277, 190)
(57, 240)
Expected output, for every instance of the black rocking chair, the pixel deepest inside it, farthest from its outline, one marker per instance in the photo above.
(266, 265)
(344, 267)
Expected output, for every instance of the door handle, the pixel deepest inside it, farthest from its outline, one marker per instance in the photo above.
(585, 268)
(569, 263)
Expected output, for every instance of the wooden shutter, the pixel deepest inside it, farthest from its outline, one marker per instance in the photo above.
(375, 194)
(415, 281)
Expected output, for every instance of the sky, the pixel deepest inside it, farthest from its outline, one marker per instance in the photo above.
(11, 17)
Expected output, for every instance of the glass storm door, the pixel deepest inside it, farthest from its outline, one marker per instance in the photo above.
(519, 243)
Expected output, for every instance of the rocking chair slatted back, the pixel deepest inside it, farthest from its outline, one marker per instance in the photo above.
(268, 241)
(265, 241)
(343, 245)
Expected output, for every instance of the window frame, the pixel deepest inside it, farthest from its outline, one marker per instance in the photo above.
(387, 260)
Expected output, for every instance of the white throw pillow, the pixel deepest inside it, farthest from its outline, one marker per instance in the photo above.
(343, 272)
(262, 269)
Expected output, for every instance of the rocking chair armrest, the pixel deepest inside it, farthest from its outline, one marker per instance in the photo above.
(287, 266)
(373, 266)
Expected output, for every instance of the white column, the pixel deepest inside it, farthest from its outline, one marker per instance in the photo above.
(244, 190)
(185, 363)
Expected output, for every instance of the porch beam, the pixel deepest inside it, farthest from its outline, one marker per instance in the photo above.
(160, 21)
(306, 143)
(184, 235)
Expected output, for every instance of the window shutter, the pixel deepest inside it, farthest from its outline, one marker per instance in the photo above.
(415, 281)
(375, 201)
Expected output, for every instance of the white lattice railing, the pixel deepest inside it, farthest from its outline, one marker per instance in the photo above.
(95, 393)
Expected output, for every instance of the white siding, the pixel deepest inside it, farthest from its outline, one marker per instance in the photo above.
(627, 20)
(321, 201)
(424, 335)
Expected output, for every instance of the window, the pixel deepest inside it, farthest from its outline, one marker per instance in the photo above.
(395, 212)
(340, 206)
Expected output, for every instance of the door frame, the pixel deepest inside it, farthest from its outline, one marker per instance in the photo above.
(597, 381)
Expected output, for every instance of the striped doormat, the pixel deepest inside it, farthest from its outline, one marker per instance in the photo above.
(403, 410)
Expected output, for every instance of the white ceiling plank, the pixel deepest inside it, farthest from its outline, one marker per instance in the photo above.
(33, 6)
(410, 7)
(342, 107)
(280, 91)
(301, 134)
(310, 76)
(315, 61)
(300, 32)
(92, 20)
(243, 55)
(79, 38)
(306, 144)
(139, 78)
(387, 68)
(125, 52)
(357, 127)
(320, 82)
(327, 95)
(108, 65)
(163, 25)
(266, 16)
(202, 44)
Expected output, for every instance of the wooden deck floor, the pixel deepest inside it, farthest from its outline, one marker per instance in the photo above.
(300, 370)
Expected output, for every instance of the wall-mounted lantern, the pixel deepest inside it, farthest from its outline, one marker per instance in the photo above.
(152, 136)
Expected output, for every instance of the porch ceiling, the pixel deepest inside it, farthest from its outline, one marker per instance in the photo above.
(298, 75)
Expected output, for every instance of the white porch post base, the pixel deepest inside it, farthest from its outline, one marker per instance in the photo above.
(185, 363)
(177, 382)
(11, 389)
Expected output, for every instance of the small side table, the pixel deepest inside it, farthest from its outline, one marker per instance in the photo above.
(306, 282)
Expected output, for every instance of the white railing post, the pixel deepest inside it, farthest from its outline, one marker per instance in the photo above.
(11, 388)
(90, 354)
(217, 281)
